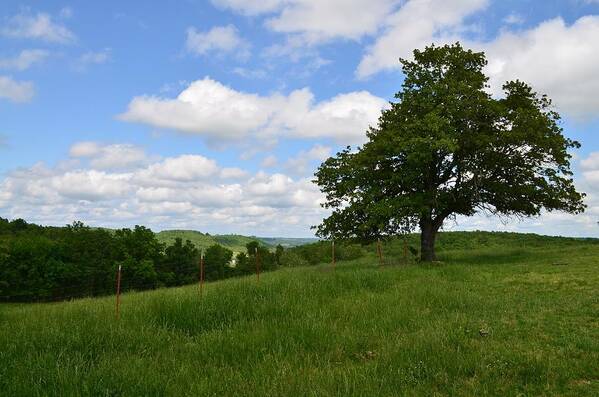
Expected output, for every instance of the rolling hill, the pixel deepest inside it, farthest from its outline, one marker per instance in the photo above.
(234, 242)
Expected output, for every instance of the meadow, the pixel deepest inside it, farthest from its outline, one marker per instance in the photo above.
(500, 314)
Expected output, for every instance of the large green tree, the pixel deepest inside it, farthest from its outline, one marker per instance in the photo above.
(446, 147)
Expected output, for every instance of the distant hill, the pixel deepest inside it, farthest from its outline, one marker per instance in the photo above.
(287, 242)
(204, 240)
(234, 242)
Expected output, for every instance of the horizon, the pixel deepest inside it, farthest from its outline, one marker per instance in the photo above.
(213, 116)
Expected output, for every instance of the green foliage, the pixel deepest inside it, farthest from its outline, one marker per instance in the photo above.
(290, 258)
(498, 318)
(256, 255)
(53, 263)
(181, 260)
(217, 260)
(448, 148)
(322, 251)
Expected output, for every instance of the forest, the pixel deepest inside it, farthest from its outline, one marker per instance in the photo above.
(45, 263)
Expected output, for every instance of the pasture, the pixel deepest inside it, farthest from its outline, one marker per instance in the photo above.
(512, 315)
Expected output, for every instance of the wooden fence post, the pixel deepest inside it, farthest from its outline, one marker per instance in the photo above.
(333, 253)
(380, 251)
(257, 266)
(118, 292)
(201, 273)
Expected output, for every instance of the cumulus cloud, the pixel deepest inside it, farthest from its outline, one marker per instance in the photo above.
(16, 91)
(233, 173)
(415, 25)
(192, 191)
(189, 191)
(105, 157)
(317, 21)
(301, 163)
(555, 58)
(37, 26)
(218, 112)
(90, 185)
(24, 59)
(590, 169)
(219, 39)
(269, 161)
(185, 168)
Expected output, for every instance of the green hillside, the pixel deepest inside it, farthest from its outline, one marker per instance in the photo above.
(235, 242)
(287, 242)
(201, 240)
(503, 314)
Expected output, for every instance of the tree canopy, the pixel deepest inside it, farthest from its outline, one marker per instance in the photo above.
(447, 147)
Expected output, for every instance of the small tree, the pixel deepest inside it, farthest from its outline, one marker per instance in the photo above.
(448, 148)
(180, 263)
(217, 258)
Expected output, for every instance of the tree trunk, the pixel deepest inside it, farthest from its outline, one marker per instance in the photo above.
(428, 234)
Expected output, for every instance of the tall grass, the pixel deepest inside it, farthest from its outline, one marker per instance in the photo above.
(502, 319)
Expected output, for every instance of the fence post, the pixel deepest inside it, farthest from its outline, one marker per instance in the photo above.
(380, 251)
(333, 253)
(257, 266)
(201, 273)
(118, 292)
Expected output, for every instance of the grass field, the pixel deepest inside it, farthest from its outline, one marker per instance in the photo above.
(513, 316)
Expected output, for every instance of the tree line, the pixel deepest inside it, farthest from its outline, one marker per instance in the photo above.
(55, 263)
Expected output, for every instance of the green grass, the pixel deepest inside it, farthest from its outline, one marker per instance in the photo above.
(360, 330)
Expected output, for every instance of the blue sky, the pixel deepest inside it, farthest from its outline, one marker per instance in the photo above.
(113, 112)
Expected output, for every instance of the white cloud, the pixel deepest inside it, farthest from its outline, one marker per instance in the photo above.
(556, 59)
(591, 162)
(24, 59)
(219, 39)
(16, 91)
(416, 24)
(93, 58)
(91, 185)
(37, 26)
(250, 7)
(256, 74)
(185, 168)
(345, 117)
(233, 173)
(170, 194)
(109, 157)
(85, 149)
(513, 19)
(269, 161)
(220, 113)
(188, 191)
(590, 170)
(300, 164)
(317, 21)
